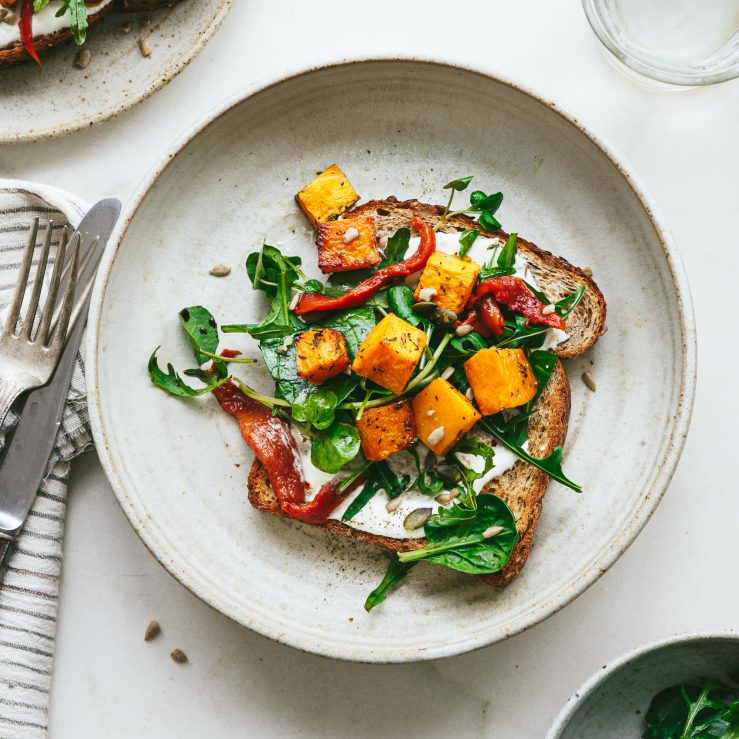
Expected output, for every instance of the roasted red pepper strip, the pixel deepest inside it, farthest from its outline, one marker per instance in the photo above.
(491, 315)
(271, 441)
(25, 26)
(513, 292)
(310, 302)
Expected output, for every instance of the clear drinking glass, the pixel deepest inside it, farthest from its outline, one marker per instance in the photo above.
(679, 42)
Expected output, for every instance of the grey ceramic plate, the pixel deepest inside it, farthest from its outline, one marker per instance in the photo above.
(612, 703)
(59, 98)
(403, 128)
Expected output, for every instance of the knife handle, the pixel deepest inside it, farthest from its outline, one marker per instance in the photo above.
(6, 547)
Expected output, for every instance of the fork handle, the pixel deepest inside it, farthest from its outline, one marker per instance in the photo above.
(6, 547)
(9, 392)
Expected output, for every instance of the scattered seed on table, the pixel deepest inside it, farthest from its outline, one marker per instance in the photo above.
(152, 631)
(179, 656)
(587, 378)
(587, 271)
(126, 28)
(145, 47)
(220, 270)
(82, 59)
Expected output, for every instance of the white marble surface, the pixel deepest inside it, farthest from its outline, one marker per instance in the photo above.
(679, 575)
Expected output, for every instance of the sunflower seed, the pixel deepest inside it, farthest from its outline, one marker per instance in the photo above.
(587, 378)
(587, 271)
(350, 235)
(435, 436)
(179, 656)
(82, 59)
(383, 242)
(491, 531)
(415, 519)
(464, 329)
(152, 631)
(426, 294)
(145, 47)
(393, 504)
(294, 302)
(220, 270)
(447, 373)
(548, 309)
(469, 394)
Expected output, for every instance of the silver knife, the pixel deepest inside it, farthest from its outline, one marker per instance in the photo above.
(23, 465)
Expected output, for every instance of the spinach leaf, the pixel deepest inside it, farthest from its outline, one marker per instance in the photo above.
(364, 496)
(317, 408)
(552, 464)
(466, 346)
(396, 571)
(507, 256)
(431, 487)
(478, 448)
(379, 477)
(175, 385)
(456, 537)
(401, 302)
(397, 246)
(466, 240)
(336, 446)
(354, 324)
(692, 712)
(201, 329)
(462, 183)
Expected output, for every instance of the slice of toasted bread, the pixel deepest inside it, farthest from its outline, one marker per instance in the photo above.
(132, 6)
(17, 53)
(555, 276)
(523, 486)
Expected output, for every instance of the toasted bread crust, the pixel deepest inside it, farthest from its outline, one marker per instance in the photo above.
(555, 275)
(522, 487)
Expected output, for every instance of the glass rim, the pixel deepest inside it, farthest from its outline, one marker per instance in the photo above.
(651, 65)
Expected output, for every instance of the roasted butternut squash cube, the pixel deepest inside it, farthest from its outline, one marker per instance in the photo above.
(328, 196)
(390, 353)
(350, 243)
(321, 354)
(452, 278)
(386, 430)
(443, 416)
(500, 378)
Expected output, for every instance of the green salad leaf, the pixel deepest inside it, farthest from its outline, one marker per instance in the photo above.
(396, 572)
(397, 246)
(466, 240)
(355, 324)
(379, 477)
(201, 329)
(335, 447)
(456, 537)
(693, 712)
(552, 464)
(461, 183)
(175, 385)
(507, 256)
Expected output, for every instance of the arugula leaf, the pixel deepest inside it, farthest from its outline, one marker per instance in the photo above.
(396, 571)
(459, 184)
(365, 495)
(692, 712)
(427, 488)
(466, 346)
(354, 324)
(478, 448)
(552, 464)
(466, 240)
(201, 329)
(456, 537)
(569, 302)
(175, 385)
(507, 256)
(397, 246)
(78, 12)
(335, 447)
(489, 272)
(379, 477)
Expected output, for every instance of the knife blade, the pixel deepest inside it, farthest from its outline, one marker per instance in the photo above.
(23, 465)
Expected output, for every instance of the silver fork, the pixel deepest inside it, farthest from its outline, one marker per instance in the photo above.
(28, 358)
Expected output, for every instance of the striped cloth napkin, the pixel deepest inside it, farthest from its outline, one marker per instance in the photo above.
(29, 591)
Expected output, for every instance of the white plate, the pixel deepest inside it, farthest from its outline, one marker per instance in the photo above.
(403, 128)
(612, 702)
(59, 98)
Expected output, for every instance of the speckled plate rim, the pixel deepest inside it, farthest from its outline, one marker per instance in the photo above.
(558, 600)
(15, 137)
(578, 698)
